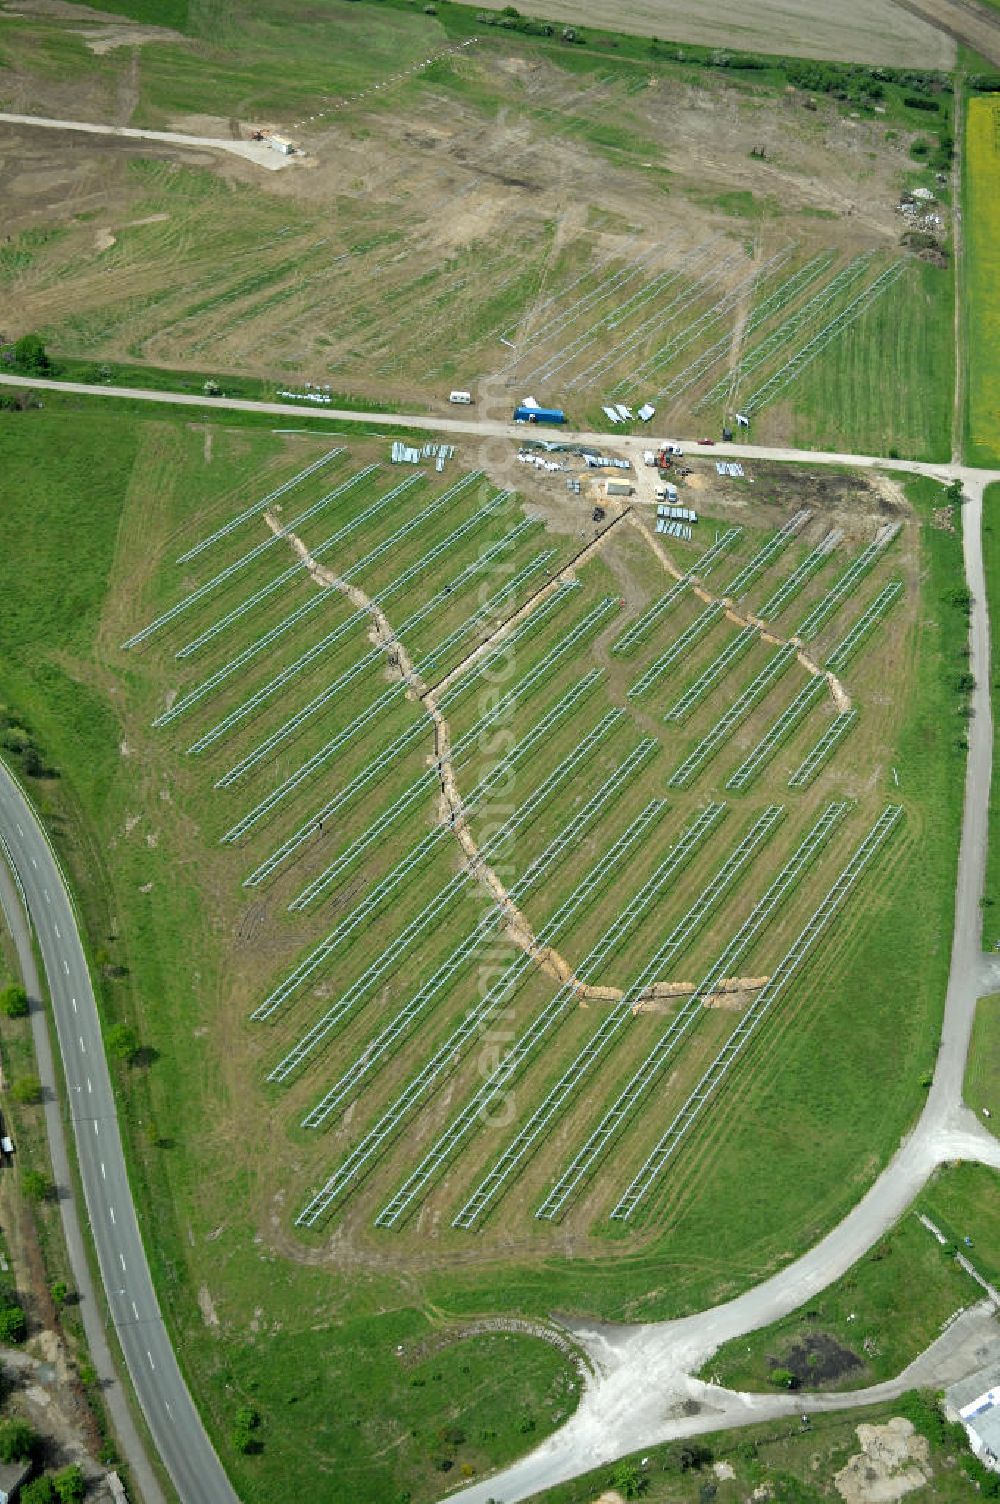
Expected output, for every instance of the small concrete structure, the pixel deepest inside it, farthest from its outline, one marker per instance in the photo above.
(12, 1475)
(975, 1402)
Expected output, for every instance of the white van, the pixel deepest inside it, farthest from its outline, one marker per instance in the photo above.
(463, 397)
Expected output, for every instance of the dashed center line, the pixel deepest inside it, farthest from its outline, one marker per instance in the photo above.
(111, 1213)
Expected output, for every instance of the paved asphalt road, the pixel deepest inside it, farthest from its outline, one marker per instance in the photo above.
(643, 1372)
(175, 1425)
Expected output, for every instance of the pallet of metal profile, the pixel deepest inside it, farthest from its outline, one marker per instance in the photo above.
(716, 670)
(766, 554)
(818, 755)
(737, 712)
(395, 694)
(384, 756)
(472, 1113)
(468, 1030)
(230, 570)
(883, 602)
(294, 572)
(702, 623)
(389, 1036)
(689, 1015)
(259, 506)
(361, 617)
(540, 1122)
(848, 582)
(778, 732)
(411, 862)
(795, 582)
(783, 975)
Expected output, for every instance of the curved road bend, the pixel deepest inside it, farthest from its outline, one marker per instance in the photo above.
(645, 1372)
(174, 1422)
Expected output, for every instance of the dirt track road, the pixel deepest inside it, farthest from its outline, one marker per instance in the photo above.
(252, 151)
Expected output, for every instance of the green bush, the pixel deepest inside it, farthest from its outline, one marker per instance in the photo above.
(70, 1484)
(14, 1002)
(122, 1042)
(38, 1491)
(27, 1090)
(36, 1186)
(30, 355)
(245, 1427)
(17, 1439)
(13, 1329)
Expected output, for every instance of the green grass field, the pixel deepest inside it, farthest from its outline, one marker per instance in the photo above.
(888, 381)
(983, 1070)
(295, 1325)
(980, 215)
(890, 1306)
(991, 566)
(376, 266)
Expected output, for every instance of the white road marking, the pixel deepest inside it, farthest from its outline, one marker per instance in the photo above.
(89, 1086)
(149, 1355)
(75, 1008)
(20, 830)
(104, 1173)
(45, 891)
(83, 1047)
(97, 1126)
(66, 967)
(34, 864)
(111, 1213)
(135, 1310)
(56, 928)
(121, 1258)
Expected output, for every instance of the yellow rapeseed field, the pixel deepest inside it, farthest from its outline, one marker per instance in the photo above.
(982, 230)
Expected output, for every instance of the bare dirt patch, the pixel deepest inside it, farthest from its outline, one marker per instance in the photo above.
(892, 1463)
(819, 1359)
(853, 31)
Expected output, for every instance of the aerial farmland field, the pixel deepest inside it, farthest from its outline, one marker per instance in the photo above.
(515, 856)
(708, 239)
(438, 782)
